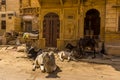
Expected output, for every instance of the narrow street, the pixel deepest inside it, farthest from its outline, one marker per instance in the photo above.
(15, 66)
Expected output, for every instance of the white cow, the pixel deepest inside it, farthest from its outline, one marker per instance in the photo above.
(66, 55)
(21, 48)
(46, 62)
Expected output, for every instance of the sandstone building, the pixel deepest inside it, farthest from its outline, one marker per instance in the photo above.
(9, 16)
(63, 21)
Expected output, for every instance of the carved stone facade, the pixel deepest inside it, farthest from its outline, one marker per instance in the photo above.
(30, 14)
(75, 19)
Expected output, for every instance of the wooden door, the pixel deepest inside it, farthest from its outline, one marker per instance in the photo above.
(51, 26)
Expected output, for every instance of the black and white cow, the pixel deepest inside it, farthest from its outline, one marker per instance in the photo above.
(32, 53)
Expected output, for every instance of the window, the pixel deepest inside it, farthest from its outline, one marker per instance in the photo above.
(10, 14)
(3, 15)
(3, 2)
(3, 24)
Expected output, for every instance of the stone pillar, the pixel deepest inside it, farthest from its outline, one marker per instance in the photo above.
(41, 39)
(60, 41)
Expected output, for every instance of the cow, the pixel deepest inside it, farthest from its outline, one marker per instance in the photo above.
(46, 62)
(33, 53)
(87, 44)
(21, 48)
(69, 55)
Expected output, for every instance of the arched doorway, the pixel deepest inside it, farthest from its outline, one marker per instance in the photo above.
(92, 23)
(51, 29)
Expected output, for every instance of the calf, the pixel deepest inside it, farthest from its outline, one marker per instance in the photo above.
(66, 55)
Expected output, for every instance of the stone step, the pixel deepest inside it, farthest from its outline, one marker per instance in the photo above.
(113, 49)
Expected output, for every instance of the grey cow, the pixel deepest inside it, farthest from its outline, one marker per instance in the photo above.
(46, 62)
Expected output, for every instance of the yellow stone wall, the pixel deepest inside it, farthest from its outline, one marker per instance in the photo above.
(17, 24)
(11, 7)
(72, 29)
(112, 36)
(111, 16)
(10, 24)
(111, 25)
